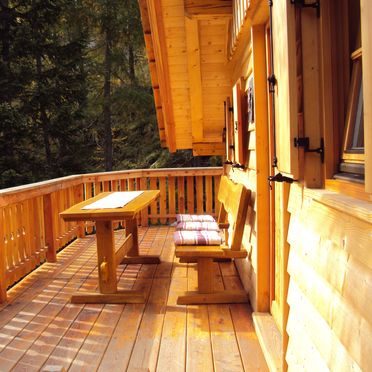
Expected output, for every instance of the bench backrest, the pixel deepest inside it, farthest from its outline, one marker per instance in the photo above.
(234, 199)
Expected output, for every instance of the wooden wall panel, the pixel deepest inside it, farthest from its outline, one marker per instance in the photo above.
(330, 293)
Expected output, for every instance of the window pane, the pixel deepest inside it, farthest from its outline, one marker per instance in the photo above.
(358, 135)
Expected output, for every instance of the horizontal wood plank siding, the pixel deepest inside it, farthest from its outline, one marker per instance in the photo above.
(330, 291)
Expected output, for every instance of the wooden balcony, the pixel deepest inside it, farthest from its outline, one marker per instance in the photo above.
(41, 330)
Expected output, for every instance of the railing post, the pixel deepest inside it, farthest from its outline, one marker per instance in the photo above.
(79, 197)
(3, 295)
(49, 229)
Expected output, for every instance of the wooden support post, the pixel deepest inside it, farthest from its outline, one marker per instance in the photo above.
(49, 229)
(106, 257)
(3, 295)
(131, 228)
(79, 197)
(205, 275)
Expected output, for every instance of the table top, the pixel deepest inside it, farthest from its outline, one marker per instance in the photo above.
(76, 213)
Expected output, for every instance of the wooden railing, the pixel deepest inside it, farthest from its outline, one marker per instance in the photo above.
(31, 230)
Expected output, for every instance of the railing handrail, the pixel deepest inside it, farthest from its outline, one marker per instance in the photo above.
(20, 193)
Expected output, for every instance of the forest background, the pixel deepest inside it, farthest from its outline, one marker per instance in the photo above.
(75, 92)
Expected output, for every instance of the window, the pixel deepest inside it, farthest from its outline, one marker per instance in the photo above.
(352, 154)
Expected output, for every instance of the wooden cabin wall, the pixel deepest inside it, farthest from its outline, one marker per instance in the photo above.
(249, 62)
(330, 290)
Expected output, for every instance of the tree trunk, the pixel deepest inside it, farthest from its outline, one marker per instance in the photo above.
(44, 117)
(132, 72)
(107, 103)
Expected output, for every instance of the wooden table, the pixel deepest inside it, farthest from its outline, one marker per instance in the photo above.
(108, 256)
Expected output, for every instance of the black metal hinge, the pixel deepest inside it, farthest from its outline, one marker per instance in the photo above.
(304, 4)
(305, 143)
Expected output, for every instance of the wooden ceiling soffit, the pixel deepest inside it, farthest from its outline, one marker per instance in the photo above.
(195, 82)
(202, 8)
(208, 148)
(152, 22)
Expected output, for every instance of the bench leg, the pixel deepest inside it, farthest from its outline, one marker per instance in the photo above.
(205, 275)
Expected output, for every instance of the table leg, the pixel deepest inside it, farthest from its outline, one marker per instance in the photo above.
(133, 256)
(131, 228)
(107, 272)
(106, 257)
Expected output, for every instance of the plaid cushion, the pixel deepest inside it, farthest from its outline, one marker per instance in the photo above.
(197, 238)
(194, 218)
(197, 226)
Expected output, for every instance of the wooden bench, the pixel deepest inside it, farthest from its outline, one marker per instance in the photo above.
(234, 199)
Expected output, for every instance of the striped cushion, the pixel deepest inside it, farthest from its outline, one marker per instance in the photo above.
(194, 218)
(197, 226)
(197, 238)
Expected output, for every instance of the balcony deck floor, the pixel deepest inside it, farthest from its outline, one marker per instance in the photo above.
(41, 330)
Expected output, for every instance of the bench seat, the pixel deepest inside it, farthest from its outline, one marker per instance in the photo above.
(234, 199)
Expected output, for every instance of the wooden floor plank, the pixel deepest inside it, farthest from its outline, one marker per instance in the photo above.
(42, 330)
(249, 346)
(49, 306)
(199, 349)
(172, 353)
(225, 349)
(119, 349)
(145, 352)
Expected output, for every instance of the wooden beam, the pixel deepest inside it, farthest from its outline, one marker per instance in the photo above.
(155, 13)
(208, 148)
(262, 166)
(124, 249)
(195, 83)
(208, 7)
(366, 13)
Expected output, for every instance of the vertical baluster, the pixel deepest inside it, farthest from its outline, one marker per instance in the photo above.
(131, 184)
(24, 262)
(217, 180)
(190, 195)
(172, 198)
(8, 243)
(17, 259)
(114, 188)
(97, 188)
(199, 195)
(154, 204)
(163, 200)
(50, 227)
(123, 187)
(78, 196)
(26, 231)
(30, 230)
(3, 281)
(88, 194)
(62, 225)
(208, 194)
(181, 194)
(40, 240)
(145, 211)
(106, 186)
